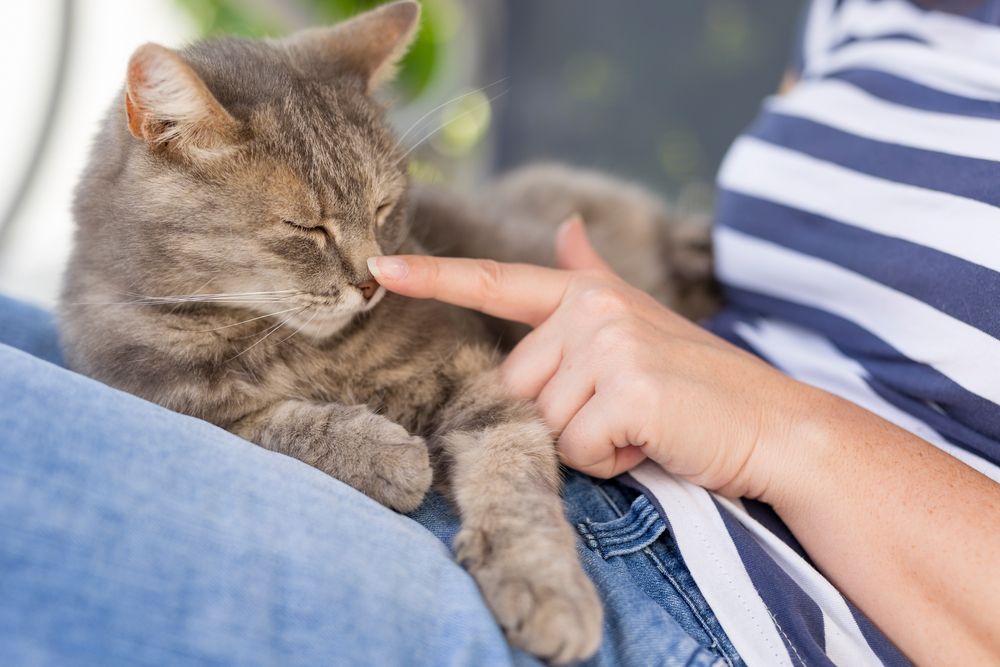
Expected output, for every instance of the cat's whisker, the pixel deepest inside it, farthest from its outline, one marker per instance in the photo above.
(198, 299)
(402, 137)
(167, 301)
(197, 291)
(219, 295)
(267, 333)
(257, 293)
(301, 327)
(440, 127)
(252, 319)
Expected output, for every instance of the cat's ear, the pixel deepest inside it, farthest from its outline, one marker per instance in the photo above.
(370, 44)
(167, 103)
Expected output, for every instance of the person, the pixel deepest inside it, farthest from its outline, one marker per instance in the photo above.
(857, 237)
(810, 478)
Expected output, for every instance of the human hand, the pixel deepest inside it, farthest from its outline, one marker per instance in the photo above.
(617, 376)
(620, 378)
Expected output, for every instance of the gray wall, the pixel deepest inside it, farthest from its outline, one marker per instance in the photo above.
(653, 90)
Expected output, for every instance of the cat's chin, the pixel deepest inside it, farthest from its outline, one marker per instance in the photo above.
(321, 325)
(323, 322)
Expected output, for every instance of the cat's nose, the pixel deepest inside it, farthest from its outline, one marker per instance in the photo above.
(368, 288)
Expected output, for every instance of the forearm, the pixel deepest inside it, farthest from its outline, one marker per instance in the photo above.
(907, 532)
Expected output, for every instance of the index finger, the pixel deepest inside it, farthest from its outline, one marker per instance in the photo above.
(519, 292)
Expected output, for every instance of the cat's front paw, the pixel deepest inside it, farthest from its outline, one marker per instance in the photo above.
(539, 593)
(386, 462)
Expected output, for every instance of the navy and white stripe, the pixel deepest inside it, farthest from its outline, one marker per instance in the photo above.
(858, 242)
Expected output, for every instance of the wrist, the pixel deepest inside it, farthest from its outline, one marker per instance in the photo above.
(798, 446)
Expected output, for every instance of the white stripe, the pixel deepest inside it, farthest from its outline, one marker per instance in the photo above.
(845, 643)
(811, 358)
(956, 225)
(716, 566)
(917, 330)
(845, 107)
(921, 64)
(816, 37)
(948, 32)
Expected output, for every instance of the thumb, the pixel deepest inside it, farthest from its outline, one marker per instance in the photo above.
(573, 248)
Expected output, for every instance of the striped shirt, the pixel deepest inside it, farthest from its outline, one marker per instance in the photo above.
(858, 243)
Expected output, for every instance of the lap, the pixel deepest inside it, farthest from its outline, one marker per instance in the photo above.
(133, 534)
(29, 329)
(653, 612)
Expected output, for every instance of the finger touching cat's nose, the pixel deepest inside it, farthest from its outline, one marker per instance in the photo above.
(368, 288)
(518, 292)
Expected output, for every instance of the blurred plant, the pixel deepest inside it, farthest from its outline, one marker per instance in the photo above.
(465, 121)
(252, 19)
(441, 138)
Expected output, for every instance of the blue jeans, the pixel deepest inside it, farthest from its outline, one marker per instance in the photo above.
(133, 535)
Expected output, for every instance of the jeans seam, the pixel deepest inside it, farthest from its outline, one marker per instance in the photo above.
(609, 500)
(638, 530)
(659, 566)
(680, 590)
(589, 537)
(584, 528)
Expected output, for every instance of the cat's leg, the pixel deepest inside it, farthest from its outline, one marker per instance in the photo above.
(503, 476)
(376, 456)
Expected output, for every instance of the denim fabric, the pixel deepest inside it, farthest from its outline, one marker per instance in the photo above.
(654, 613)
(133, 535)
(29, 329)
(618, 522)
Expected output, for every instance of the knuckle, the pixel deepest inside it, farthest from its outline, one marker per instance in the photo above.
(643, 387)
(604, 300)
(489, 276)
(617, 334)
(432, 273)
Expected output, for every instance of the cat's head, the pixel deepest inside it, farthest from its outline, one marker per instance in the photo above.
(247, 166)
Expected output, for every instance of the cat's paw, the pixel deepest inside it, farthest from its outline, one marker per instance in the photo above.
(386, 462)
(539, 593)
(401, 469)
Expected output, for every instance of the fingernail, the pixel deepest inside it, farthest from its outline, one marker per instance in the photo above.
(570, 219)
(390, 268)
(565, 226)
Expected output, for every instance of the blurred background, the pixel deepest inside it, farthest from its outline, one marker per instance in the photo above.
(650, 90)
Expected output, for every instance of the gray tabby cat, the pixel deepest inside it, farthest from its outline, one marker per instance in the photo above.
(224, 223)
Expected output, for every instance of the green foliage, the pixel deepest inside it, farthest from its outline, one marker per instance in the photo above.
(216, 17)
(227, 17)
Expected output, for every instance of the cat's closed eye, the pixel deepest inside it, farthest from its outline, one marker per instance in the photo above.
(304, 228)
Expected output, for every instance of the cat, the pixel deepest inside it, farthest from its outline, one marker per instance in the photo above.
(515, 219)
(224, 221)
